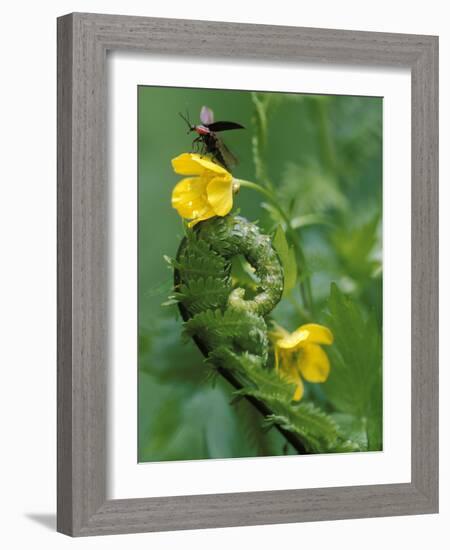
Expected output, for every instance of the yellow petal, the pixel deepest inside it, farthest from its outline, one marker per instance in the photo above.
(310, 333)
(318, 334)
(192, 164)
(220, 195)
(186, 165)
(313, 363)
(189, 197)
(208, 164)
(291, 341)
(286, 362)
(298, 394)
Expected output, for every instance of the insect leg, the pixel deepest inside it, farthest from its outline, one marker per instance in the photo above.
(195, 144)
(202, 146)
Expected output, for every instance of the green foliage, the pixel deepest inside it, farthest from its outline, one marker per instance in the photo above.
(353, 428)
(358, 141)
(318, 431)
(287, 258)
(204, 293)
(244, 330)
(354, 386)
(263, 103)
(185, 423)
(181, 415)
(197, 259)
(357, 248)
(308, 188)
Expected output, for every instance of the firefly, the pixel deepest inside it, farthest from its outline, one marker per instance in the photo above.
(207, 140)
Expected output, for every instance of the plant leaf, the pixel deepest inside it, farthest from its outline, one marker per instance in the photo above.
(317, 430)
(287, 258)
(355, 382)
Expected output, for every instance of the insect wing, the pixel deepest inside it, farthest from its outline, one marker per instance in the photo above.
(223, 125)
(206, 116)
(228, 157)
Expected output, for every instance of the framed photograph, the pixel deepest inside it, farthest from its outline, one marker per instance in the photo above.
(247, 274)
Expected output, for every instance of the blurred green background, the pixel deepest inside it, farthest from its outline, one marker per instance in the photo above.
(323, 155)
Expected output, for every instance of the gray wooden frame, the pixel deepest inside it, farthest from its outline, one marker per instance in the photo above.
(83, 41)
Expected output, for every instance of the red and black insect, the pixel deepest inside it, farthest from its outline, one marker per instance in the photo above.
(208, 142)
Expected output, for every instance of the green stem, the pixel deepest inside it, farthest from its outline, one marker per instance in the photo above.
(260, 140)
(305, 285)
(325, 137)
(260, 189)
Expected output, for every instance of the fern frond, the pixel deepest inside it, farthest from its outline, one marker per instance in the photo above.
(204, 293)
(243, 330)
(197, 259)
(317, 430)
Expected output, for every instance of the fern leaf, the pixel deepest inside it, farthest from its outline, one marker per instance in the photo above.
(244, 330)
(204, 293)
(317, 430)
(197, 259)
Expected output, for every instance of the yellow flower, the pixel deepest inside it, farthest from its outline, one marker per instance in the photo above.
(207, 192)
(298, 355)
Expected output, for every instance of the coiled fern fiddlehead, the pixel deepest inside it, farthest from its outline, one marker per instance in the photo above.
(230, 330)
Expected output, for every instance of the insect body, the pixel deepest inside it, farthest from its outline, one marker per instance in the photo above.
(207, 140)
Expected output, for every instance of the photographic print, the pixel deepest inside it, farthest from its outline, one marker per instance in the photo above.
(260, 274)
